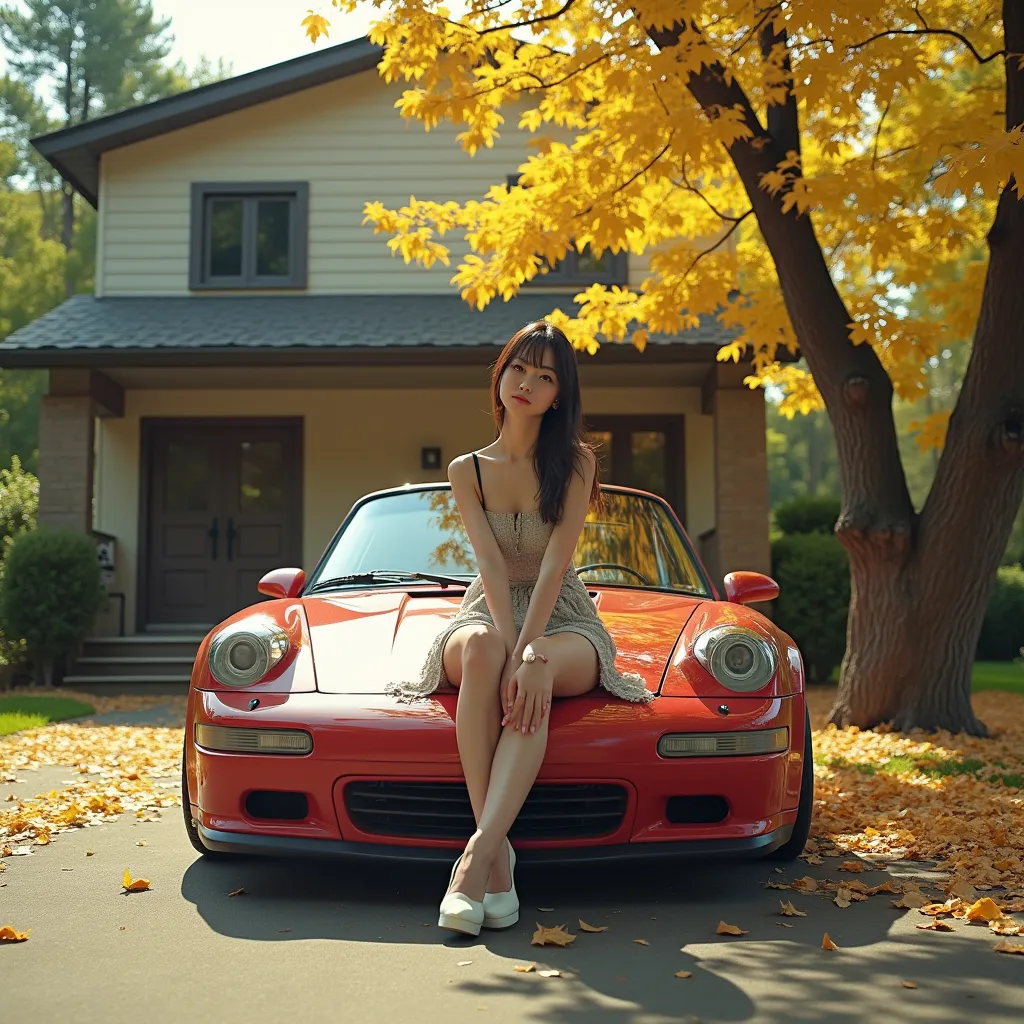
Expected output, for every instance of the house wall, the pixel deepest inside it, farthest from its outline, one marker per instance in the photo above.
(346, 139)
(343, 460)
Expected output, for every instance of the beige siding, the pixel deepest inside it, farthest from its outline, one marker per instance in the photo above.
(343, 460)
(345, 138)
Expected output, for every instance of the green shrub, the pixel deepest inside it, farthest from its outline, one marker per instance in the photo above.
(808, 514)
(1002, 632)
(19, 501)
(813, 574)
(51, 593)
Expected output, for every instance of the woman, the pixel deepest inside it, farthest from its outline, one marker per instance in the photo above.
(526, 631)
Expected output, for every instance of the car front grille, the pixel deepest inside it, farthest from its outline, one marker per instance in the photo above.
(441, 810)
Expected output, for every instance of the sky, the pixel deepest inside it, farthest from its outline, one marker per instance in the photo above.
(251, 34)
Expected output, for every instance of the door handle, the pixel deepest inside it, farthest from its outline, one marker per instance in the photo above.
(213, 533)
(231, 534)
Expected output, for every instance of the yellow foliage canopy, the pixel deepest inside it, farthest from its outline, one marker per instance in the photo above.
(902, 155)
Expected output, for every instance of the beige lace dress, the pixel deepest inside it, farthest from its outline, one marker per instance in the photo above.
(523, 538)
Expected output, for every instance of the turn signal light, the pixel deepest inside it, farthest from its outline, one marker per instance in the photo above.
(235, 739)
(712, 744)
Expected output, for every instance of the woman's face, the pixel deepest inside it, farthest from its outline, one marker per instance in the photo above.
(527, 389)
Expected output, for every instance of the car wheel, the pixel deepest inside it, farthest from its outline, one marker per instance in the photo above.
(794, 846)
(190, 828)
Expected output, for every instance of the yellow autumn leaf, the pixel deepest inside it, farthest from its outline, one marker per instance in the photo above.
(684, 974)
(788, 910)
(10, 934)
(827, 943)
(906, 983)
(525, 968)
(316, 25)
(1005, 926)
(641, 942)
(730, 929)
(1006, 946)
(842, 897)
(935, 925)
(556, 936)
(984, 909)
(138, 885)
(584, 927)
(911, 900)
(806, 884)
(851, 865)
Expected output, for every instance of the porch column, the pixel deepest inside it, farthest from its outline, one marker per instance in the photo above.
(741, 472)
(67, 436)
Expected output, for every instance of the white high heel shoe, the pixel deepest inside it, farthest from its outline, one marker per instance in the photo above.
(501, 909)
(458, 912)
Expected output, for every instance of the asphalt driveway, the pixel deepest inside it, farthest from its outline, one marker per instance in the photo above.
(322, 940)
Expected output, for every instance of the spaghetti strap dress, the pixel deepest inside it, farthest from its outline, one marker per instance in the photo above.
(523, 538)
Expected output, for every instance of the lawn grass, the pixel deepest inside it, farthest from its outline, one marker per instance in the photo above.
(20, 712)
(998, 675)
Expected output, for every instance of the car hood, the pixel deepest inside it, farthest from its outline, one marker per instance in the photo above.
(363, 641)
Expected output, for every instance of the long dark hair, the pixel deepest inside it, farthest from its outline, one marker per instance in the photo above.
(561, 443)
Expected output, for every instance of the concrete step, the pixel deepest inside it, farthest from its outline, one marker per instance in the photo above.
(107, 685)
(128, 666)
(141, 646)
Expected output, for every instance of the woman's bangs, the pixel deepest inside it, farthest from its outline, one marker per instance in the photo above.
(531, 349)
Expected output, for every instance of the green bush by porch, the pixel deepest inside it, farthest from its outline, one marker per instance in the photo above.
(51, 593)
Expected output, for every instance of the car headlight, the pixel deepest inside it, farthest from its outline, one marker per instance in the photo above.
(243, 653)
(739, 658)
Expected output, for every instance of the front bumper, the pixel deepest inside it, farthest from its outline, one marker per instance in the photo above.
(292, 846)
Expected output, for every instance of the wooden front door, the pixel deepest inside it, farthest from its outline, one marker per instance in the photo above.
(224, 507)
(646, 452)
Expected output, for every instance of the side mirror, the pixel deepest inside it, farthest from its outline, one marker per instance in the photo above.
(750, 588)
(282, 583)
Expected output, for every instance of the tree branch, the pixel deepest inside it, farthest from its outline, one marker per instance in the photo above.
(923, 32)
(688, 186)
(721, 241)
(783, 118)
(529, 21)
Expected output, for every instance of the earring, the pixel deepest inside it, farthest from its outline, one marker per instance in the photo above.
(554, 404)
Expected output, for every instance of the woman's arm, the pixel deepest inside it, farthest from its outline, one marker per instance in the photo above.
(489, 559)
(558, 553)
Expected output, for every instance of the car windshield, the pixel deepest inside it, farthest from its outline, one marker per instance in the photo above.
(634, 538)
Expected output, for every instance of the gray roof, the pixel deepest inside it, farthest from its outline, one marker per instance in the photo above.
(85, 327)
(75, 152)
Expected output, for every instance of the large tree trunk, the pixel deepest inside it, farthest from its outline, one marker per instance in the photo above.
(919, 584)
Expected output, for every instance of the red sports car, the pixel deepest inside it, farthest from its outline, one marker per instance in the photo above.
(292, 745)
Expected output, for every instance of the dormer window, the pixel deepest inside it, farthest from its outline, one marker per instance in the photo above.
(581, 268)
(250, 235)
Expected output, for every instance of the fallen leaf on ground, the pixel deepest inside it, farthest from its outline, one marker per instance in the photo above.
(584, 927)
(857, 886)
(911, 900)
(140, 842)
(784, 924)
(684, 974)
(1005, 926)
(962, 888)
(238, 892)
(936, 909)
(788, 910)
(730, 929)
(811, 858)
(881, 887)
(550, 974)
(851, 865)
(842, 898)
(139, 885)
(985, 909)
(776, 885)
(463, 963)
(641, 942)
(827, 943)
(908, 984)
(1006, 946)
(10, 934)
(935, 925)
(524, 968)
(556, 936)
(806, 884)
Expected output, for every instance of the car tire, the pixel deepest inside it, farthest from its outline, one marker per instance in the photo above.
(794, 846)
(190, 828)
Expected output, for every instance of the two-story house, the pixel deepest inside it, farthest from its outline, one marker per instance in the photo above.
(254, 359)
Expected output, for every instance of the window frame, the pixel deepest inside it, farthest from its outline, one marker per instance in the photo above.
(250, 193)
(568, 273)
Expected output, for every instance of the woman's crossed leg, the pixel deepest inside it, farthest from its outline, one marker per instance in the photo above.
(500, 765)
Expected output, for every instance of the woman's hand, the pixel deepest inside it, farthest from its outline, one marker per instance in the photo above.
(525, 703)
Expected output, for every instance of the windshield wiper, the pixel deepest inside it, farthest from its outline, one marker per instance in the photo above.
(386, 576)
